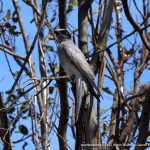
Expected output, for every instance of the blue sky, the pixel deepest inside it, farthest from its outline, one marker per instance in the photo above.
(6, 79)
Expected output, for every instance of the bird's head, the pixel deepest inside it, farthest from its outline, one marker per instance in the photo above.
(62, 34)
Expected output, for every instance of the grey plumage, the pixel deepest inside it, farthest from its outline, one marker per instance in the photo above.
(75, 64)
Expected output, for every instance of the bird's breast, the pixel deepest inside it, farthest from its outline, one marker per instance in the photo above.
(66, 63)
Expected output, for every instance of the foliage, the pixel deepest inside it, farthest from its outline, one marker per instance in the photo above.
(37, 105)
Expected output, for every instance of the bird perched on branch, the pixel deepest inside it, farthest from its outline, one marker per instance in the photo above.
(75, 65)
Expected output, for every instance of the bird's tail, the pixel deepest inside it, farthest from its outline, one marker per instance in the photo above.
(81, 90)
(96, 88)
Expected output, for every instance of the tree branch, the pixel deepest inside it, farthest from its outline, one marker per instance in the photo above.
(135, 25)
(9, 51)
(4, 127)
(144, 123)
(62, 85)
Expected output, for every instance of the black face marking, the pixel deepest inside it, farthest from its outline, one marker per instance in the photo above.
(66, 34)
(62, 34)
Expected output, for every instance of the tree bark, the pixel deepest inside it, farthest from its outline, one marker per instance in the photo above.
(62, 85)
(4, 131)
(144, 123)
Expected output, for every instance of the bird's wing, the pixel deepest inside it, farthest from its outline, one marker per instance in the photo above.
(76, 57)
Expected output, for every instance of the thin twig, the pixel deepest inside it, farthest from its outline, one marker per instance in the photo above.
(118, 41)
(60, 136)
(136, 26)
(3, 48)
(22, 69)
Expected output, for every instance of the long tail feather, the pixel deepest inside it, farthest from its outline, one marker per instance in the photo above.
(81, 90)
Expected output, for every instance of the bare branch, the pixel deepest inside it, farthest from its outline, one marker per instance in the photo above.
(135, 25)
(10, 51)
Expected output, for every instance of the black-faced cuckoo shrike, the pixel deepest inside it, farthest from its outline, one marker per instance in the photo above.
(75, 64)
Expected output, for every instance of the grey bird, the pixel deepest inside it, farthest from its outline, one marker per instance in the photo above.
(75, 65)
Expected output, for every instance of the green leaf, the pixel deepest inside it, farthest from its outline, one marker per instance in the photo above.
(7, 25)
(8, 92)
(25, 117)
(7, 43)
(11, 110)
(23, 129)
(8, 15)
(16, 33)
(108, 128)
(13, 27)
(25, 104)
(103, 111)
(13, 32)
(104, 117)
(15, 17)
(57, 66)
(50, 48)
(51, 89)
(13, 98)
(107, 90)
(21, 92)
(15, 74)
(72, 4)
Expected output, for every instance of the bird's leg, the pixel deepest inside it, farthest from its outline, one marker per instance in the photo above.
(72, 77)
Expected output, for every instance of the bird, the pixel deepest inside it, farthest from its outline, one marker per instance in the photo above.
(75, 65)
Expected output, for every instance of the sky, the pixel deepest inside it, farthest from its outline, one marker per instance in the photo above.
(6, 79)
